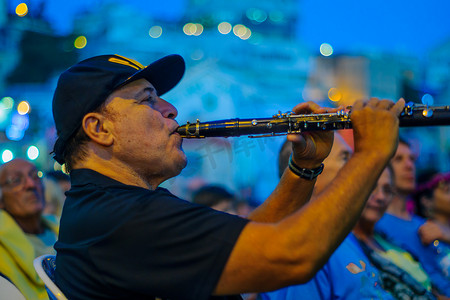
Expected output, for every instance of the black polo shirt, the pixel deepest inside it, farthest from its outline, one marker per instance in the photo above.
(125, 242)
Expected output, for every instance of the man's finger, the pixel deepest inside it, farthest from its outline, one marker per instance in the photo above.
(358, 105)
(306, 107)
(398, 107)
(385, 104)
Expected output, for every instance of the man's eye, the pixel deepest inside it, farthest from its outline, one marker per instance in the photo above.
(149, 99)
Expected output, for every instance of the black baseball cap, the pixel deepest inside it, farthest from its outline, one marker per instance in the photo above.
(85, 86)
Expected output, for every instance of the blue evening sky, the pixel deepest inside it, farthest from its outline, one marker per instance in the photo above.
(413, 26)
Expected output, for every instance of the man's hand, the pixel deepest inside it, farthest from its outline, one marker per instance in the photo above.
(311, 148)
(431, 231)
(375, 126)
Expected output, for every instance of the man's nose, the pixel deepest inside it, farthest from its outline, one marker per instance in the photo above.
(166, 109)
(30, 182)
(379, 195)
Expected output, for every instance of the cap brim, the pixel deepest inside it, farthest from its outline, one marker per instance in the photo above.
(164, 74)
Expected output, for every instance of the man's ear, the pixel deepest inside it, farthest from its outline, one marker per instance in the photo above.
(96, 126)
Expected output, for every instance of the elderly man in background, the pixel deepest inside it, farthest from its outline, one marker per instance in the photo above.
(24, 233)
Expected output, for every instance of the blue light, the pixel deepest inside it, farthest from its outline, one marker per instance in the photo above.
(427, 99)
(14, 134)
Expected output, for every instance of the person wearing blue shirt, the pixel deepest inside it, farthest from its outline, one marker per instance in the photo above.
(348, 274)
(402, 227)
(365, 265)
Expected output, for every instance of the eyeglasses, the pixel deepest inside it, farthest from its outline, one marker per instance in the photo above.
(20, 179)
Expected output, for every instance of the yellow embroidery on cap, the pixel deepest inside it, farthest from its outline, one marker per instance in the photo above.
(127, 62)
(132, 61)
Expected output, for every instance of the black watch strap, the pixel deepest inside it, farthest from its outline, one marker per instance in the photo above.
(304, 173)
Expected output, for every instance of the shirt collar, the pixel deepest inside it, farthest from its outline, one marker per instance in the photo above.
(81, 177)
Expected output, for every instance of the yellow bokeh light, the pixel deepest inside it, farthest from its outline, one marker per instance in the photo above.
(23, 108)
(247, 34)
(224, 28)
(335, 95)
(187, 28)
(193, 29)
(40, 174)
(22, 10)
(326, 49)
(80, 42)
(238, 29)
(56, 166)
(241, 31)
(155, 32)
(198, 29)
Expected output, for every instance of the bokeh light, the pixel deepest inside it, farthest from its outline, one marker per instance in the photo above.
(7, 102)
(242, 31)
(224, 28)
(276, 16)
(23, 108)
(13, 133)
(427, 99)
(56, 166)
(80, 42)
(155, 32)
(187, 28)
(257, 15)
(6, 105)
(197, 54)
(334, 95)
(22, 9)
(32, 152)
(247, 34)
(326, 49)
(7, 155)
(239, 30)
(198, 29)
(193, 29)
(40, 174)
(19, 124)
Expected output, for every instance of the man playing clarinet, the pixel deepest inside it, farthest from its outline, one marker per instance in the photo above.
(124, 237)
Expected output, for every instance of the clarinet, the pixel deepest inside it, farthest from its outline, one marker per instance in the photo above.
(413, 115)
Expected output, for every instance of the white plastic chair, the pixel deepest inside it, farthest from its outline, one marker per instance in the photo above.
(45, 267)
(9, 291)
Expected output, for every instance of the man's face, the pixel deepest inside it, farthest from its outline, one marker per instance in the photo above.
(404, 167)
(379, 199)
(144, 131)
(339, 155)
(22, 190)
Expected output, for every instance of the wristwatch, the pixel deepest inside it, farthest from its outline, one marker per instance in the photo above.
(308, 174)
